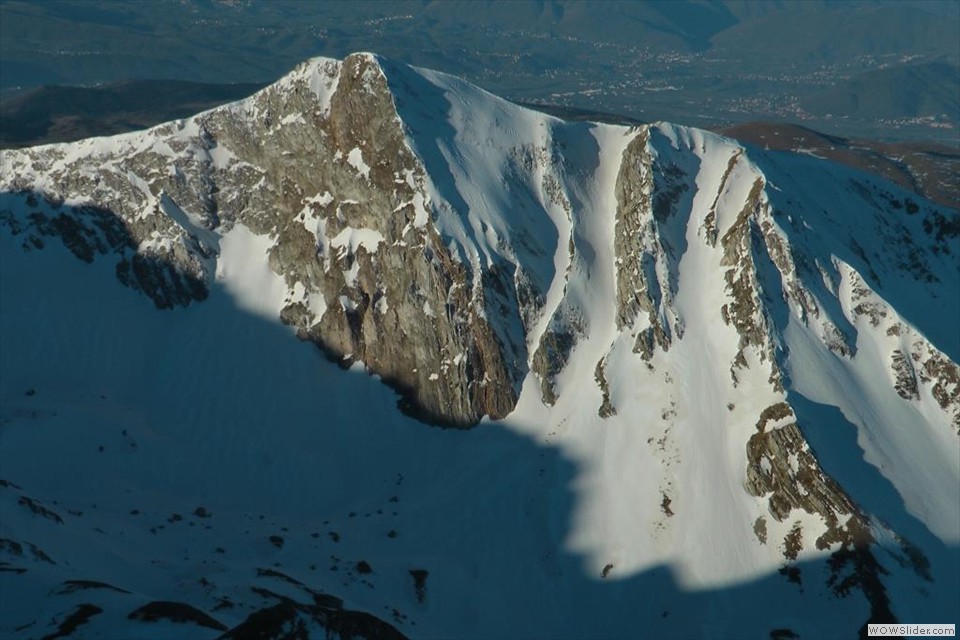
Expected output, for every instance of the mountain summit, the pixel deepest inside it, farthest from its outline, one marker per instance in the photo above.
(716, 387)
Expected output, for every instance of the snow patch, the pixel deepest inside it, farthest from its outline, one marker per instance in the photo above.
(243, 270)
(351, 239)
(355, 160)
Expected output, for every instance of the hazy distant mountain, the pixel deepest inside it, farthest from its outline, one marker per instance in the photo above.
(59, 114)
(703, 63)
(698, 388)
(825, 32)
(101, 41)
(927, 169)
(901, 92)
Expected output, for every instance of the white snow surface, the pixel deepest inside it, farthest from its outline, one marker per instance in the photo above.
(355, 159)
(219, 405)
(351, 239)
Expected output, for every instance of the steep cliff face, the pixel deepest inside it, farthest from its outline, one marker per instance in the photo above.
(320, 165)
(701, 324)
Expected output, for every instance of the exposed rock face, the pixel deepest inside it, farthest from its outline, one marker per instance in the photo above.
(318, 162)
(326, 615)
(783, 469)
(177, 612)
(916, 366)
(744, 311)
(90, 230)
(647, 197)
(552, 354)
(634, 187)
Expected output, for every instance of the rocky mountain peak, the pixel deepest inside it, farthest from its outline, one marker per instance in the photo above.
(695, 301)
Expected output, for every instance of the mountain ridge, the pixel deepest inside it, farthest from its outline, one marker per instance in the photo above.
(31, 120)
(493, 263)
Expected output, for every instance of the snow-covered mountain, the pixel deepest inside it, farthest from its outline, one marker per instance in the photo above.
(715, 389)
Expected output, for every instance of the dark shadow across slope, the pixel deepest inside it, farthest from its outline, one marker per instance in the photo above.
(231, 422)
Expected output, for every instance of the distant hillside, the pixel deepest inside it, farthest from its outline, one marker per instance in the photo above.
(805, 32)
(62, 114)
(928, 169)
(103, 41)
(581, 115)
(907, 91)
(692, 61)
